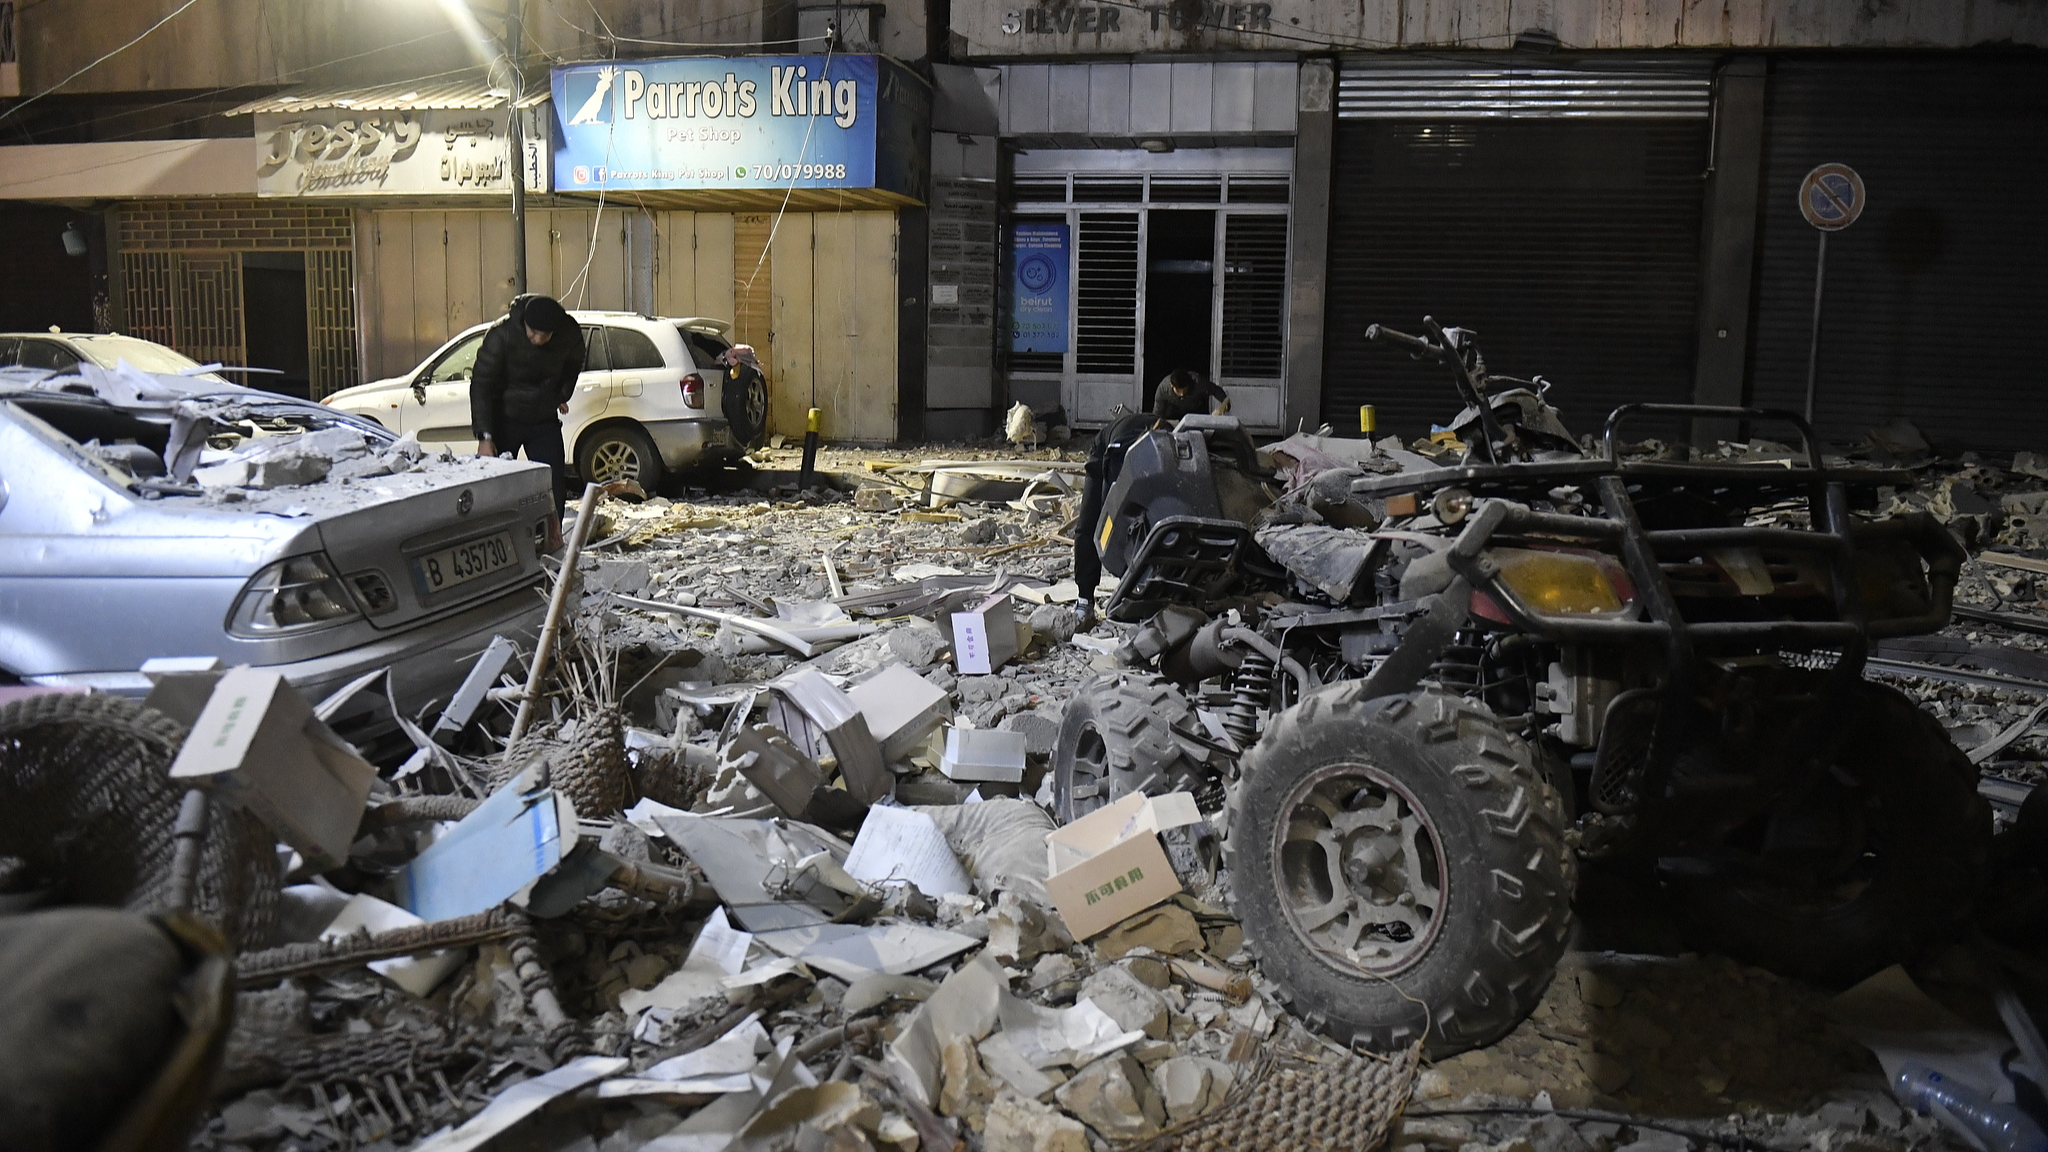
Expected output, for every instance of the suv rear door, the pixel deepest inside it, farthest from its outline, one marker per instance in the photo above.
(637, 364)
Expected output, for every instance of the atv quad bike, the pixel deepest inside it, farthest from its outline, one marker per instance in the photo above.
(1413, 693)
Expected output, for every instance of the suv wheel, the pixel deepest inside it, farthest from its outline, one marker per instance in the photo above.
(1400, 869)
(746, 407)
(620, 452)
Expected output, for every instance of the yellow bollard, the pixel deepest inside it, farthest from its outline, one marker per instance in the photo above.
(807, 475)
(1368, 420)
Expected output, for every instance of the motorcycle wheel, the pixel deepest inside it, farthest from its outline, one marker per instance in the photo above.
(1880, 860)
(1400, 869)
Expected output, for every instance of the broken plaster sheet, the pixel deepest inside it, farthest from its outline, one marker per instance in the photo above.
(966, 1004)
(713, 1127)
(1000, 1056)
(878, 988)
(720, 951)
(1048, 1037)
(520, 1101)
(854, 951)
(898, 846)
(754, 864)
(722, 1066)
(644, 816)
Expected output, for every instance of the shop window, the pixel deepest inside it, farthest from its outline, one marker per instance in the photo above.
(1258, 189)
(1109, 189)
(1041, 191)
(1254, 296)
(1106, 337)
(1187, 189)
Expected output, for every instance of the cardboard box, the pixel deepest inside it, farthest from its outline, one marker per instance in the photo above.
(983, 754)
(1109, 866)
(257, 745)
(822, 721)
(901, 707)
(985, 636)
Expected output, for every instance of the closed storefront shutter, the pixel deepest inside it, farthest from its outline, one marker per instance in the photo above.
(1555, 211)
(1935, 298)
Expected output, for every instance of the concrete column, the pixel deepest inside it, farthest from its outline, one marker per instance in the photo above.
(1309, 255)
(1728, 241)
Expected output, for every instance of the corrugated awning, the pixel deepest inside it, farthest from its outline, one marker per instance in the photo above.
(467, 91)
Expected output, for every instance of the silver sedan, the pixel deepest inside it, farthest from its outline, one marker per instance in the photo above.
(164, 516)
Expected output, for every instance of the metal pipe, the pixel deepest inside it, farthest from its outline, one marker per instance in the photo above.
(557, 605)
(188, 842)
(1820, 274)
(515, 32)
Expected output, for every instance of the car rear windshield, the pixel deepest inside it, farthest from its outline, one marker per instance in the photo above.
(705, 348)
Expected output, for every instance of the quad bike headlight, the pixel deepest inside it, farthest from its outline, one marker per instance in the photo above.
(1564, 583)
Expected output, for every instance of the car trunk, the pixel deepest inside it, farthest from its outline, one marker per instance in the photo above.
(419, 554)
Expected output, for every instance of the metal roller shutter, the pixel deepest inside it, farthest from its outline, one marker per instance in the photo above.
(1936, 296)
(1554, 211)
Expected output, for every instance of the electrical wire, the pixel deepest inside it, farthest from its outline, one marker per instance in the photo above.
(175, 13)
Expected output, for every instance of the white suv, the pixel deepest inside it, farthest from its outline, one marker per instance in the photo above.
(653, 398)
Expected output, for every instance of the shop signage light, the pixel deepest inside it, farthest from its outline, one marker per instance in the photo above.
(840, 121)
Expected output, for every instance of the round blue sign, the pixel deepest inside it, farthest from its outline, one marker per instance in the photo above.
(1036, 272)
(1831, 197)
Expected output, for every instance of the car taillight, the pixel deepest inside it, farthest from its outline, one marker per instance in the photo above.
(693, 390)
(290, 595)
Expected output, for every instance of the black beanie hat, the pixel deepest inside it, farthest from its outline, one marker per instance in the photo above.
(542, 314)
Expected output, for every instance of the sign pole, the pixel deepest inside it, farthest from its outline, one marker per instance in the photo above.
(514, 139)
(1831, 198)
(1820, 273)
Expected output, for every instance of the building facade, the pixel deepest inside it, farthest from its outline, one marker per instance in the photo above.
(1607, 194)
(1077, 199)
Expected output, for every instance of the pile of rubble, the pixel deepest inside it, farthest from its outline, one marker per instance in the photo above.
(756, 853)
(767, 863)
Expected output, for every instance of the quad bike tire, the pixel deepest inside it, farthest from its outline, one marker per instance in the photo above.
(1117, 737)
(1923, 863)
(1480, 834)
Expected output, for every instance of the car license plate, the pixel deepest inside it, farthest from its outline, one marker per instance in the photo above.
(466, 562)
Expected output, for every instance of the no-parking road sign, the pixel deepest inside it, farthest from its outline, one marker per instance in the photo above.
(1831, 197)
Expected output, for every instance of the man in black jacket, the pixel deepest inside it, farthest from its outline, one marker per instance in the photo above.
(525, 373)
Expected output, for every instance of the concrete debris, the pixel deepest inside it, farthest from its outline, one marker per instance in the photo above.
(1115, 1098)
(836, 912)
